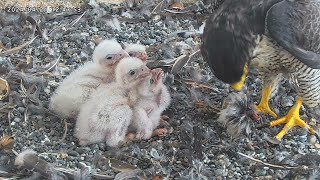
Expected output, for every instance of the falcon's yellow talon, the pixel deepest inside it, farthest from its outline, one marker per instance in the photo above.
(263, 106)
(291, 120)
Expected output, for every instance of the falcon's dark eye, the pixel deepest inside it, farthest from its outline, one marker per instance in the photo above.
(132, 73)
(151, 81)
(130, 54)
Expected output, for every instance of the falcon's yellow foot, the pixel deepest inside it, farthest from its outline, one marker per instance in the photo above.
(291, 120)
(263, 106)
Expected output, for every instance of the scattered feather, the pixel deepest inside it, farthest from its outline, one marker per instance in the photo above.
(6, 143)
(4, 89)
(177, 6)
(239, 114)
(113, 22)
(131, 174)
(120, 166)
(29, 160)
(179, 63)
(84, 172)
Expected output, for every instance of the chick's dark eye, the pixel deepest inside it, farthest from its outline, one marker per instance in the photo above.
(109, 57)
(151, 81)
(130, 54)
(132, 73)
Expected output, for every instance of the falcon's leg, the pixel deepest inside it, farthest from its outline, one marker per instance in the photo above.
(291, 120)
(263, 106)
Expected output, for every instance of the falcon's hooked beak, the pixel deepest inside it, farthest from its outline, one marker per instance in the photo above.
(238, 85)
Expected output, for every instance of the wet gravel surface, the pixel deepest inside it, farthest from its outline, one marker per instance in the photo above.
(198, 146)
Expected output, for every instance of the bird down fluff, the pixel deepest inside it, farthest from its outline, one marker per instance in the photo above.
(135, 48)
(105, 117)
(76, 88)
(234, 117)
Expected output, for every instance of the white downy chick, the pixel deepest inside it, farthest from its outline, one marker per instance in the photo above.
(153, 99)
(77, 87)
(138, 51)
(105, 117)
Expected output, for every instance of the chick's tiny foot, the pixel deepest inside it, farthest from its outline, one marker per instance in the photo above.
(83, 142)
(161, 132)
(200, 105)
(164, 120)
(131, 137)
(291, 120)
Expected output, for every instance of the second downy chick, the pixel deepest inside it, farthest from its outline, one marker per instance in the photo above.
(77, 87)
(105, 117)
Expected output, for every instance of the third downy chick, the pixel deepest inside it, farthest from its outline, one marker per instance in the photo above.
(154, 98)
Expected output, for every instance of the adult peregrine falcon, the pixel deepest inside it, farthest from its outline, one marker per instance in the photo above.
(275, 37)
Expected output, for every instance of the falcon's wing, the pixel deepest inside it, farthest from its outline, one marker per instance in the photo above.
(295, 25)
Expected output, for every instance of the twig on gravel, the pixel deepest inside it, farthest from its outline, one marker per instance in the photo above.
(65, 130)
(177, 12)
(272, 165)
(75, 21)
(26, 114)
(63, 26)
(199, 85)
(54, 64)
(155, 8)
(18, 48)
(9, 119)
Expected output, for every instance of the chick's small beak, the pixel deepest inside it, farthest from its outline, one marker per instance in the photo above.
(121, 55)
(143, 56)
(238, 85)
(144, 72)
(158, 73)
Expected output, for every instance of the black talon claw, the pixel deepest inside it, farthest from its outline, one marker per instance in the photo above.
(262, 126)
(318, 137)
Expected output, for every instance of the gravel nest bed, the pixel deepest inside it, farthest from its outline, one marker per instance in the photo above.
(197, 147)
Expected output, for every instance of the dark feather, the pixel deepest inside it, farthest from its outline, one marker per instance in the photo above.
(295, 25)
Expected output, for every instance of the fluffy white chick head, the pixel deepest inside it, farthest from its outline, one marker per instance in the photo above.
(130, 71)
(108, 53)
(137, 50)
